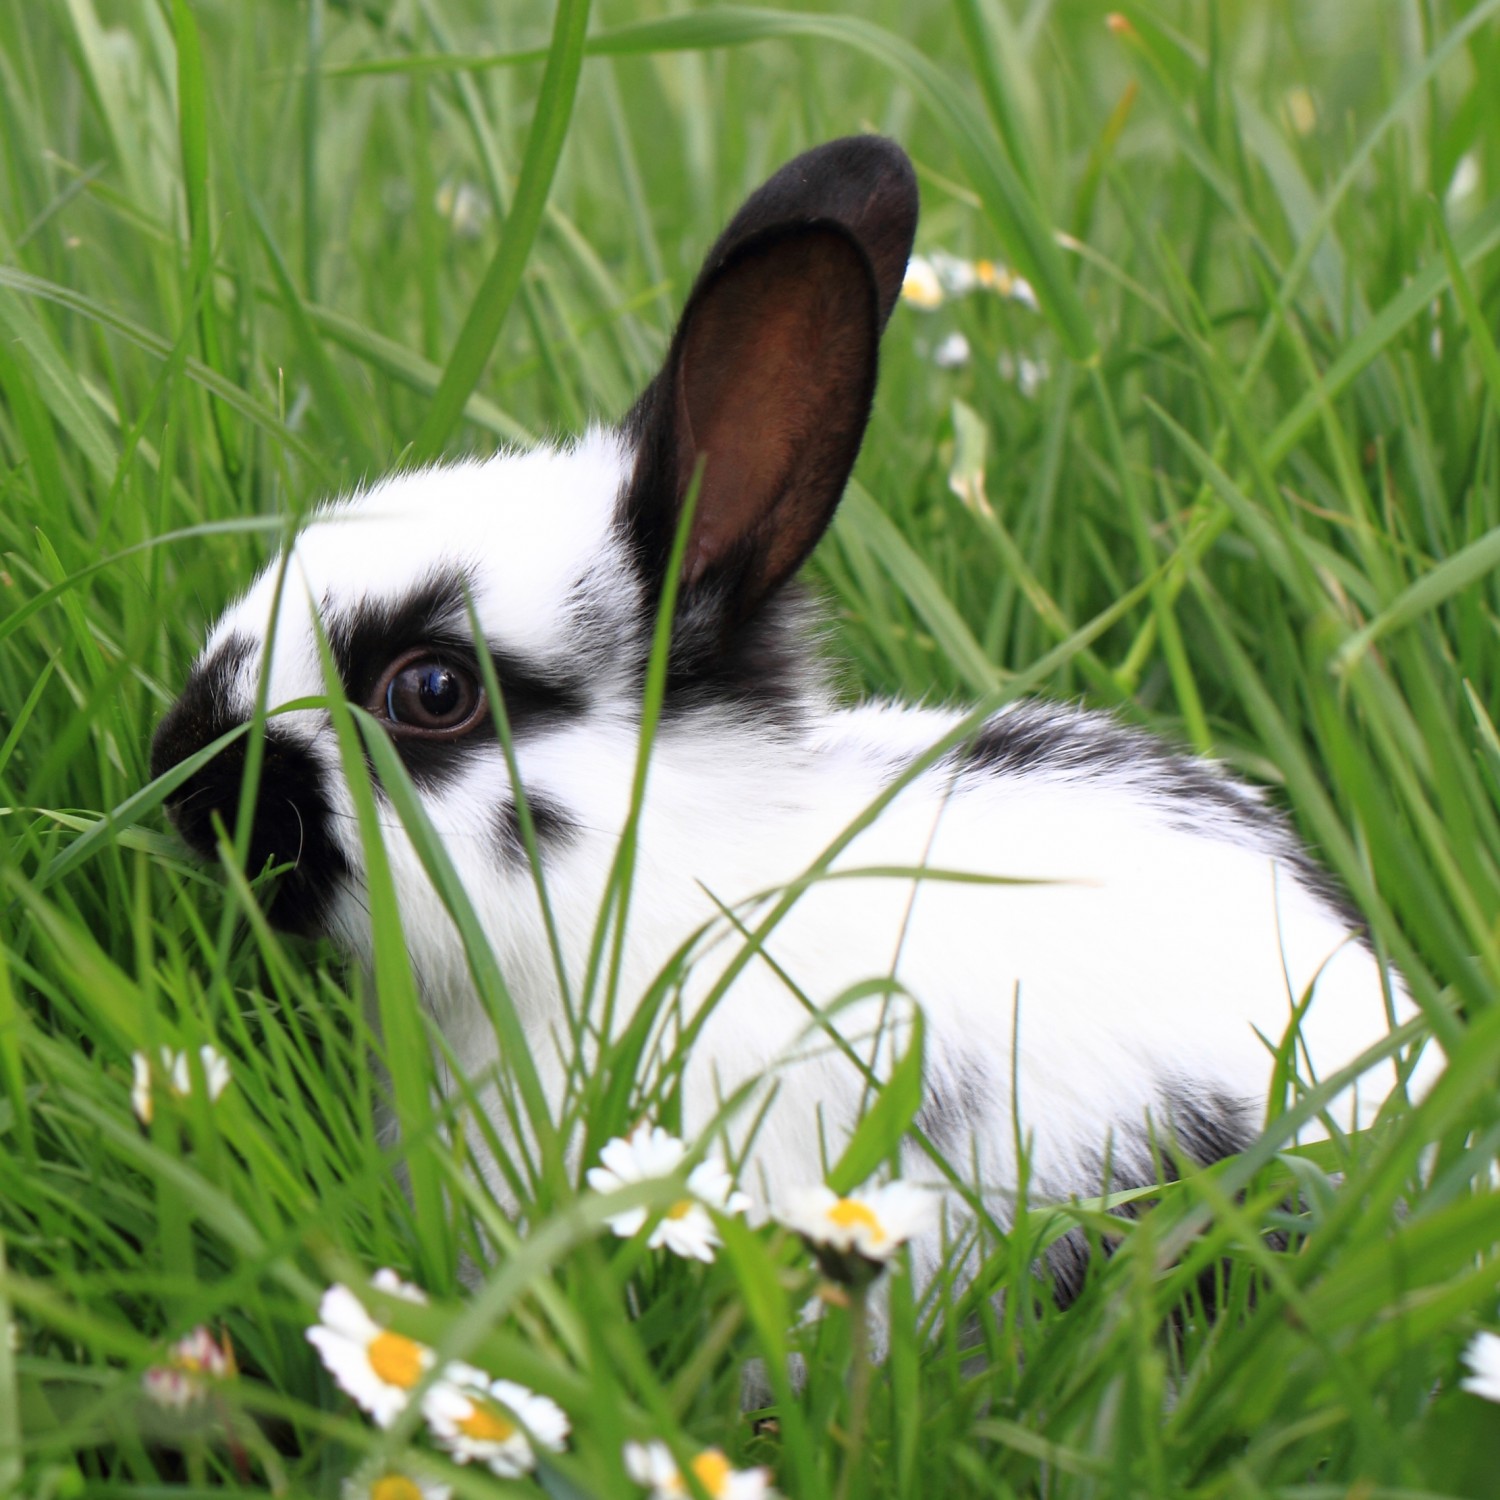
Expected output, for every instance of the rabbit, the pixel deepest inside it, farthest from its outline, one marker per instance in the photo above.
(1163, 925)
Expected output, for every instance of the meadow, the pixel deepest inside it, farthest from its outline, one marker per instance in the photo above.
(1202, 425)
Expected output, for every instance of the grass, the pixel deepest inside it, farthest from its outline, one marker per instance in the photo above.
(252, 254)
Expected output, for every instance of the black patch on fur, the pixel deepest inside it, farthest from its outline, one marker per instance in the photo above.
(959, 1095)
(761, 670)
(1205, 1128)
(554, 830)
(292, 816)
(366, 638)
(1038, 738)
(1192, 1129)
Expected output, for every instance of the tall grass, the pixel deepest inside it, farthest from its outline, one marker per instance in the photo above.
(1247, 493)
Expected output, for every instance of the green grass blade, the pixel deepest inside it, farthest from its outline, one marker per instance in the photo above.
(502, 280)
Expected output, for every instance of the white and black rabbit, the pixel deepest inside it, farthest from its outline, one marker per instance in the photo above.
(1131, 992)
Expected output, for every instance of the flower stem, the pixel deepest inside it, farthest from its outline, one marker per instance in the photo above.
(859, 1385)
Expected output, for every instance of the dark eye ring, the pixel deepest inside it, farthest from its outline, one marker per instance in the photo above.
(425, 693)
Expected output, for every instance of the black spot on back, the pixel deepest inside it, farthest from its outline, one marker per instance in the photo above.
(960, 1098)
(1034, 738)
(1204, 1127)
(1192, 1129)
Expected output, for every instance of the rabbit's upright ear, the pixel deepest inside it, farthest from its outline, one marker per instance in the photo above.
(770, 376)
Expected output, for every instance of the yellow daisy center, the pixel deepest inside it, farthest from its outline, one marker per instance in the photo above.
(848, 1212)
(395, 1359)
(712, 1470)
(395, 1487)
(680, 1210)
(485, 1425)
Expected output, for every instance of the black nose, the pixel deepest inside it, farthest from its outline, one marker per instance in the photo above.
(292, 823)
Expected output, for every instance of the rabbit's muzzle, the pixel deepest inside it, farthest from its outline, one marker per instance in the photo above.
(292, 821)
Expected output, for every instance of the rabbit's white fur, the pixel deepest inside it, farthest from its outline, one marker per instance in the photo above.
(1151, 964)
(1168, 926)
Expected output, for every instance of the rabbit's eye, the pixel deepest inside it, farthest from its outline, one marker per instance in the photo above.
(427, 695)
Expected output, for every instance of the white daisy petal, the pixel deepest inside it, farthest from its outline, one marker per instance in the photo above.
(176, 1068)
(651, 1464)
(1023, 292)
(177, 1077)
(686, 1229)
(711, 1183)
(140, 1088)
(215, 1071)
(465, 1377)
(620, 1158)
(952, 353)
(921, 287)
(1483, 1360)
(957, 276)
(659, 1153)
(387, 1281)
(629, 1223)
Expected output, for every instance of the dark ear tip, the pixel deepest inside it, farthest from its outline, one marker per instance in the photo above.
(864, 183)
(877, 158)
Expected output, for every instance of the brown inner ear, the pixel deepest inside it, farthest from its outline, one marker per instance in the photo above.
(773, 391)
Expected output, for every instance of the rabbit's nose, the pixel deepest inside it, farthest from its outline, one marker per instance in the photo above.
(292, 823)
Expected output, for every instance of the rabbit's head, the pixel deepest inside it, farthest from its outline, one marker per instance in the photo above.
(563, 554)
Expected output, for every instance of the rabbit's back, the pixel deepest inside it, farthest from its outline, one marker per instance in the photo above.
(1124, 932)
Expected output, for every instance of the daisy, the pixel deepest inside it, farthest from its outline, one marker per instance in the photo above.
(952, 353)
(652, 1465)
(464, 207)
(180, 1382)
(178, 1076)
(921, 287)
(140, 1088)
(377, 1367)
(387, 1281)
(378, 1480)
(493, 1421)
(1483, 1359)
(957, 277)
(686, 1229)
(215, 1071)
(854, 1237)
(1026, 374)
(1005, 283)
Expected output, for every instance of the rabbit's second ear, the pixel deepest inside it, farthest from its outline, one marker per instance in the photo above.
(769, 380)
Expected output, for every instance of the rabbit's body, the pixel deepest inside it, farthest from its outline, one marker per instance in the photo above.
(1165, 925)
